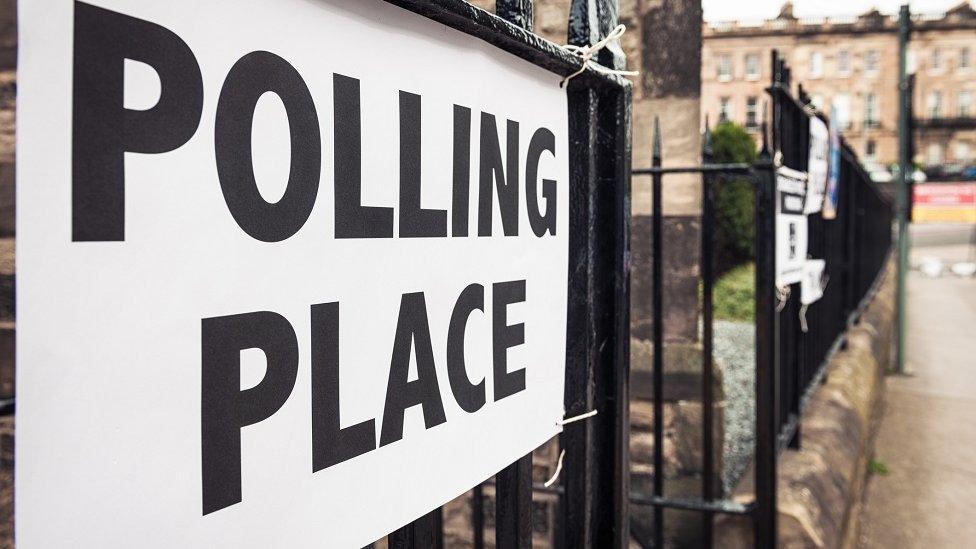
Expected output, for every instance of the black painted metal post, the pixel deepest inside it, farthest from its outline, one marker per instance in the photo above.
(423, 532)
(767, 354)
(478, 517)
(576, 503)
(615, 151)
(848, 182)
(708, 389)
(513, 485)
(595, 502)
(801, 131)
(905, 170)
(513, 505)
(657, 312)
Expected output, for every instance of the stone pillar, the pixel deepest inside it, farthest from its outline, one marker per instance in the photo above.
(669, 57)
(668, 53)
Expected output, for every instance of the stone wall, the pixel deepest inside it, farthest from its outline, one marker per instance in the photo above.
(820, 486)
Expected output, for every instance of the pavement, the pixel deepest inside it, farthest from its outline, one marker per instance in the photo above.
(927, 437)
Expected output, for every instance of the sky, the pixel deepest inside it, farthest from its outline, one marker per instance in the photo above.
(726, 10)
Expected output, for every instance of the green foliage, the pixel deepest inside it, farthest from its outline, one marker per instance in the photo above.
(734, 202)
(734, 295)
(877, 467)
(732, 143)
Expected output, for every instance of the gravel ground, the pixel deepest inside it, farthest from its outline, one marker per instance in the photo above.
(736, 353)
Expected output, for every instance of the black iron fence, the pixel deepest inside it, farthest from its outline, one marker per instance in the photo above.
(855, 245)
(793, 344)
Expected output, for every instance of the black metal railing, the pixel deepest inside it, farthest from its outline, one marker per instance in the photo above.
(790, 358)
(854, 245)
(591, 503)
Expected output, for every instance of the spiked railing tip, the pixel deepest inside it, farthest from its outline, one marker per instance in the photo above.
(764, 128)
(707, 148)
(656, 146)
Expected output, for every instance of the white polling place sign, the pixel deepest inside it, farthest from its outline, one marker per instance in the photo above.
(290, 273)
(812, 284)
(791, 226)
(817, 165)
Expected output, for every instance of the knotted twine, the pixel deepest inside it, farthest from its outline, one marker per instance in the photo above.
(586, 53)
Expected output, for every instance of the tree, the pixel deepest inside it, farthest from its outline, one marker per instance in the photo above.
(734, 199)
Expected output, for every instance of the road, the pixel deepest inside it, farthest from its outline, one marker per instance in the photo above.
(927, 438)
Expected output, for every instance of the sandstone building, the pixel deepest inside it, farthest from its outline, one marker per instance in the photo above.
(851, 65)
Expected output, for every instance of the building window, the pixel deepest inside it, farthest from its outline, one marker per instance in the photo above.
(871, 150)
(752, 65)
(935, 104)
(725, 68)
(965, 103)
(871, 62)
(871, 111)
(962, 152)
(844, 63)
(752, 112)
(724, 109)
(842, 110)
(816, 64)
(964, 58)
(936, 59)
(934, 154)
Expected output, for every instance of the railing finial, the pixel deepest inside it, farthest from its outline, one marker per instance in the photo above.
(764, 129)
(656, 146)
(708, 151)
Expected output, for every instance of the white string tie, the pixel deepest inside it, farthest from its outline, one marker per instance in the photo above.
(782, 296)
(559, 468)
(568, 420)
(562, 453)
(788, 172)
(586, 53)
(803, 308)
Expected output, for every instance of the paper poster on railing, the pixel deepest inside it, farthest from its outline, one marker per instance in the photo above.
(272, 294)
(812, 283)
(832, 194)
(791, 226)
(817, 165)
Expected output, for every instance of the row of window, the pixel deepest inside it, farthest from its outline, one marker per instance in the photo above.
(725, 111)
(844, 63)
(752, 61)
(937, 60)
(841, 110)
(935, 104)
(935, 153)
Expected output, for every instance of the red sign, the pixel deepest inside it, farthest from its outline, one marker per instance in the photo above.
(945, 194)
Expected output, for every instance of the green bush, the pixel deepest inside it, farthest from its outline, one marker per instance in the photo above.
(734, 201)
